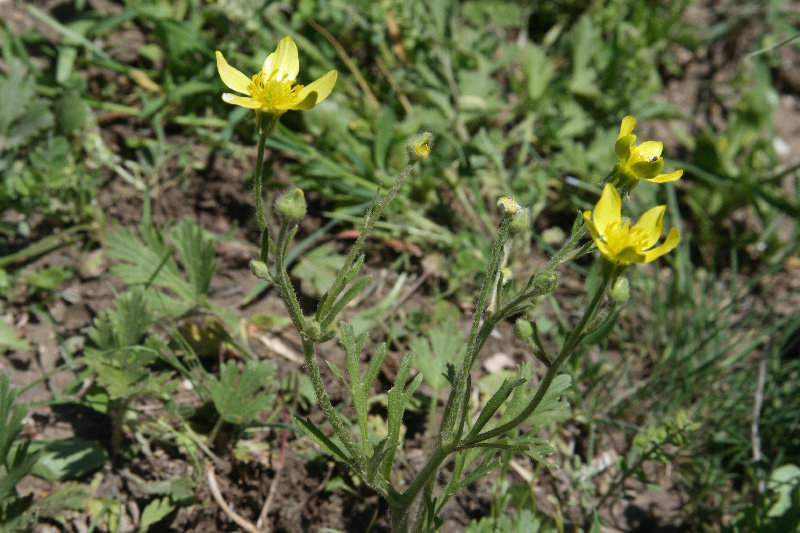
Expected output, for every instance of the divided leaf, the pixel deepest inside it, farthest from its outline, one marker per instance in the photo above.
(235, 393)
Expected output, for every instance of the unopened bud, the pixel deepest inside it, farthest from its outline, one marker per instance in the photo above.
(507, 275)
(523, 330)
(520, 222)
(259, 269)
(313, 329)
(291, 205)
(620, 292)
(418, 147)
(545, 283)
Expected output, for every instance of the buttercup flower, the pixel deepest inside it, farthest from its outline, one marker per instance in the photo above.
(508, 205)
(637, 162)
(270, 91)
(622, 243)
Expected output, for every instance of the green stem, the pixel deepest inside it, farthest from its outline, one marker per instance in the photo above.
(454, 401)
(45, 245)
(373, 214)
(258, 180)
(215, 430)
(569, 345)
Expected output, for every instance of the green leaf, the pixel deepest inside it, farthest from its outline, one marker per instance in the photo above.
(10, 341)
(445, 343)
(366, 319)
(384, 135)
(47, 279)
(494, 404)
(15, 92)
(325, 443)
(397, 399)
(66, 458)
(317, 269)
(178, 490)
(351, 293)
(154, 512)
(196, 251)
(235, 393)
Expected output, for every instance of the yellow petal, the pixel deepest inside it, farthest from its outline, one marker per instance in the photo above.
(606, 250)
(672, 241)
(650, 224)
(242, 101)
(664, 178)
(623, 147)
(587, 216)
(232, 77)
(321, 87)
(628, 255)
(283, 62)
(608, 209)
(648, 151)
(627, 126)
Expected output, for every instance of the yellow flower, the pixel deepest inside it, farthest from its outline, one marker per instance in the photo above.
(270, 91)
(637, 162)
(508, 205)
(622, 243)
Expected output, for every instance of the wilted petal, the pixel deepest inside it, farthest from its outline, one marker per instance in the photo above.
(232, 77)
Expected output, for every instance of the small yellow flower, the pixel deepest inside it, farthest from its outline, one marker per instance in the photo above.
(270, 91)
(508, 205)
(622, 243)
(637, 162)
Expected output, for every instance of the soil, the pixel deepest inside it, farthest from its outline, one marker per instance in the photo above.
(213, 192)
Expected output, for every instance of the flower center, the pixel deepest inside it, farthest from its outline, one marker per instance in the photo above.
(271, 92)
(620, 235)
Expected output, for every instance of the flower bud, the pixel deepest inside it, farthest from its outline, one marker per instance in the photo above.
(507, 275)
(291, 205)
(312, 330)
(523, 330)
(508, 206)
(520, 222)
(418, 147)
(259, 269)
(545, 283)
(620, 292)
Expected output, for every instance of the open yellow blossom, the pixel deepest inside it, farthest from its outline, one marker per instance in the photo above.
(637, 162)
(619, 241)
(270, 91)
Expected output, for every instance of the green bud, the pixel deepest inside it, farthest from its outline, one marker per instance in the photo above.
(620, 292)
(291, 205)
(418, 147)
(523, 330)
(507, 275)
(545, 283)
(520, 222)
(259, 269)
(312, 330)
